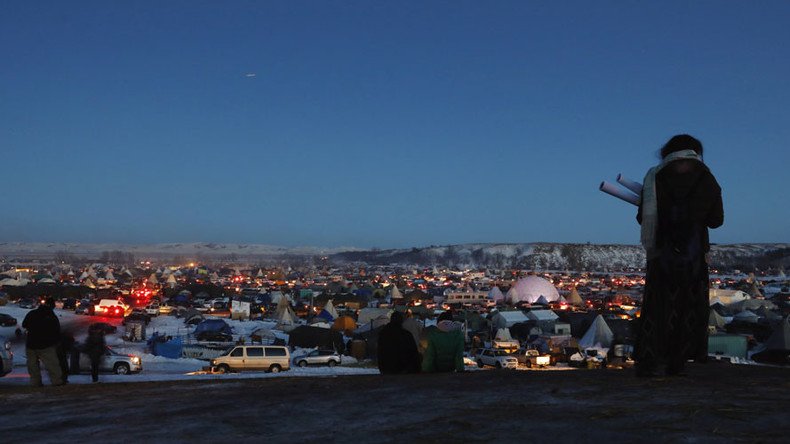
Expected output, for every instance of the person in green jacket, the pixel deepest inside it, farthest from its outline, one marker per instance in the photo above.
(445, 351)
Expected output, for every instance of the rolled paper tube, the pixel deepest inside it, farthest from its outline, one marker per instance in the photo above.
(632, 185)
(619, 193)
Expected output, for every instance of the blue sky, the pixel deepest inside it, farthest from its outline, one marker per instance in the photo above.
(381, 124)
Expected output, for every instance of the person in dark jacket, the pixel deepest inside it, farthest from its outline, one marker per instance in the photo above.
(445, 350)
(95, 347)
(397, 351)
(680, 201)
(65, 350)
(43, 337)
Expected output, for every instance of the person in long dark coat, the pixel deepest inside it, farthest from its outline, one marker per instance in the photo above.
(95, 348)
(397, 351)
(43, 336)
(680, 200)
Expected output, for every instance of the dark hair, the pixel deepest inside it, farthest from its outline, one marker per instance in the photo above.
(681, 142)
(446, 316)
(396, 318)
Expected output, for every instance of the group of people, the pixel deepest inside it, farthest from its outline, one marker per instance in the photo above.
(399, 351)
(46, 344)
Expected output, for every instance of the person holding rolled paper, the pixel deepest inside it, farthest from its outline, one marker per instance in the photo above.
(680, 200)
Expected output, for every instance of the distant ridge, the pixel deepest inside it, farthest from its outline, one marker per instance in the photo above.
(540, 255)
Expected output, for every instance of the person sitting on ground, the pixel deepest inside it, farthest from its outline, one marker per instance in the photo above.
(397, 351)
(445, 351)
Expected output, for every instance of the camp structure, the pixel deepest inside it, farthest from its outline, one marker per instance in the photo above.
(213, 325)
(329, 313)
(598, 335)
(284, 315)
(574, 298)
(495, 294)
(530, 289)
(369, 314)
(716, 320)
(506, 319)
(344, 324)
(777, 347)
(306, 336)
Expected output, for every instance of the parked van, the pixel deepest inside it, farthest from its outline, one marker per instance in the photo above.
(111, 307)
(273, 358)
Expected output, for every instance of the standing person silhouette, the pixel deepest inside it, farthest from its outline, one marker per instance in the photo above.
(680, 201)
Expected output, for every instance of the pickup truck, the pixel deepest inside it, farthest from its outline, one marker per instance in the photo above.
(533, 358)
(496, 358)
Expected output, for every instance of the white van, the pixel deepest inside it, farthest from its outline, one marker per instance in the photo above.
(273, 358)
(110, 307)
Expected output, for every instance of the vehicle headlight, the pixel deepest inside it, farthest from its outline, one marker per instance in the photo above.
(135, 360)
(8, 345)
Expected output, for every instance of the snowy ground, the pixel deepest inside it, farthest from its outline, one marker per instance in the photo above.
(157, 368)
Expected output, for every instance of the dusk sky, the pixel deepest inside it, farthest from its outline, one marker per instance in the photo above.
(382, 124)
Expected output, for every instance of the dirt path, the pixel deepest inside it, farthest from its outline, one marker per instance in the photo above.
(717, 402)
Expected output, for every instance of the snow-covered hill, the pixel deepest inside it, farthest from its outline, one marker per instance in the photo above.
(556, 256)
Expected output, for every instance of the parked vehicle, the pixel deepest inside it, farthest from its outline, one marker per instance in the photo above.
(496, 358)
(107, 328)
(318, 357)
(69, 304)
(137, 315)
(7, 320)
(152, 309)
(253, 357)
(6, 357)
(28, 303)
(532, 358)
(110, 307)
(213, 336)
(112, 362)
(85, 308)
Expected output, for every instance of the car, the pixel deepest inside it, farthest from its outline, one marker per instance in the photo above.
(7, 320)
(214, 336)
(6, 357)
(272, 358)
(112, 362)
(152, 309)
(85, 308)
(532, 358)
(69, 304)
(28, 303)
(103, 326)
(137, 315)
(496, 358)
(319, 357)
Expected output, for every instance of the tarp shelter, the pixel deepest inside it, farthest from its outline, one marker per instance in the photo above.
(306, 336)
(726, 297)
(213, 325)
(161, 346)
(727, 345)
(344, 323)
(598, 335)
(368, 314)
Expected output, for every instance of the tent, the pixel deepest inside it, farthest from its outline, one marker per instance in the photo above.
(329, 313)
(504, 319)
(542, 300)
(368, 314)
(598, 335)
(344, 323)
(213, 325)
(726, 297)
(574, 298)
(161, 346)
(716, 320)
(496, 294)
(746, 316)
(395, 293)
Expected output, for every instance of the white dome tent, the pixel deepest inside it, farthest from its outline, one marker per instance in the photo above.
(530, 289)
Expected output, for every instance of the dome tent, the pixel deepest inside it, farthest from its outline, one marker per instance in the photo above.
(530, 289)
